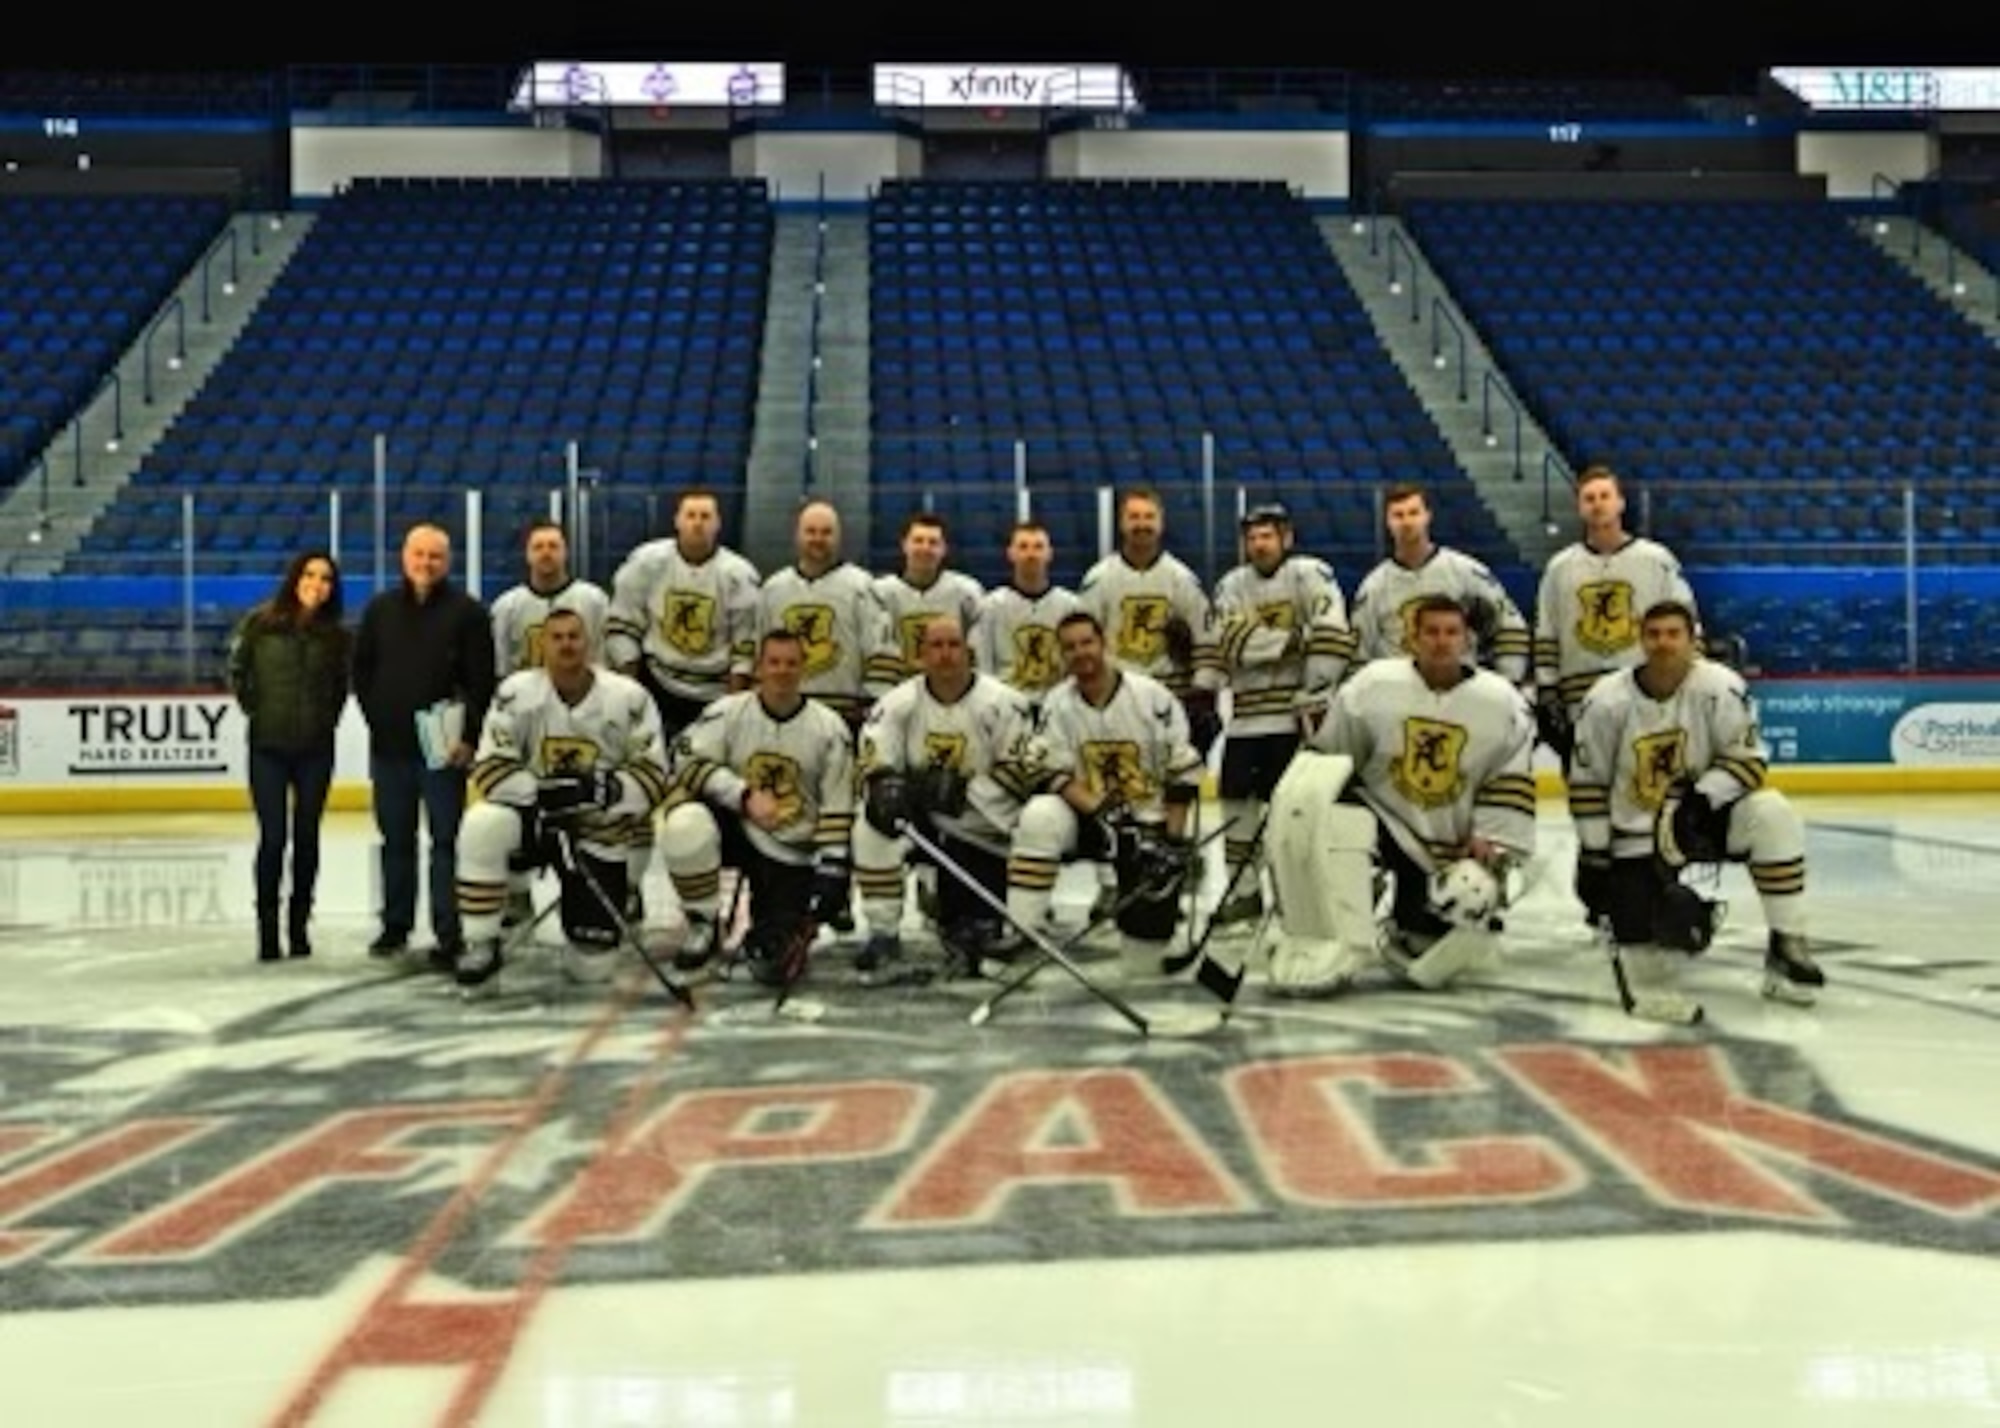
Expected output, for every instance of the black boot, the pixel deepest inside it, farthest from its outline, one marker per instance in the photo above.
(269, 949)
(299, 919)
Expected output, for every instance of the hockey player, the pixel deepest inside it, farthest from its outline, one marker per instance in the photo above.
(1587, 609)
(1389, 596)
(1669, 771)
(569, 758)
(1014, 637)
(942, 750)
(1157, 619)
(1283, 625)
(921, 589)
(683, 614)
(518, 612)
(831, 606)
(1430, 780)
(1118, 775)
(772, 779)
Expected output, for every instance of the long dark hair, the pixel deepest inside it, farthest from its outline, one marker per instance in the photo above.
(283, 606)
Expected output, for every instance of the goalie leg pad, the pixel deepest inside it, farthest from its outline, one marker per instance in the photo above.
(1320, 854)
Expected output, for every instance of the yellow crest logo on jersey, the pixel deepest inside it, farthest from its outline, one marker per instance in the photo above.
(1142, 627)
(1278, 615)
(531, 649)
(1660, 759)
(1037, 658)
(566, 754)
(813, 624)
(1406, 619)
(1428, 773)
(778, 776)
(913, 635)
(1604, 620)
(944, 751)
(688, 621)
(1111, 769)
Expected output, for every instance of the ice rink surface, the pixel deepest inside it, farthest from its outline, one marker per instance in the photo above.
(327, 1191)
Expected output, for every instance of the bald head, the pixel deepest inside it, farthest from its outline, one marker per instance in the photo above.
(817, 536)
(942, 654)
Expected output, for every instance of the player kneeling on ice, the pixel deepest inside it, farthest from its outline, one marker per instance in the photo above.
(1421, 770)
(773, 782)
(941, 753)
(1668, 773)
(569, 768)
(1119, 775)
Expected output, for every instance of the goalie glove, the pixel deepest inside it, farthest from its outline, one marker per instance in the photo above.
(563, 796)
(1689, 828)
(887, 806)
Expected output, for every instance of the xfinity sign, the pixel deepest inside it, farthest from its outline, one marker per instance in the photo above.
(1006, 86)
(648, 84)
(1905, 88)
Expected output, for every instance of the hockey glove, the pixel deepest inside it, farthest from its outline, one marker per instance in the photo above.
(1593, 884)
(1690, 829)
(1553, 727)
(941, 789)
(1204, 720)
(573, 795)
(828, 900)
(887, 806)
(1178, 637)
(1159, 862)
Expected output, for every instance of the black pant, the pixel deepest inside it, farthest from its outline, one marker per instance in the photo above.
(402, 785)
(288, 789)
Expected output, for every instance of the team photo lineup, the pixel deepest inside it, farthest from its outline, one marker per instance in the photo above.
(840, 740)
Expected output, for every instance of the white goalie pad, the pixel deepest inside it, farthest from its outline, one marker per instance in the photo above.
(1461, 950)
(1321, 856)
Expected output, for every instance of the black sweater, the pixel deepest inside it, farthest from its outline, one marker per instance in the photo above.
(408, 654)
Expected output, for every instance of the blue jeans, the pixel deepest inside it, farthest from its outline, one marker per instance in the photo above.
(288, 792)
(401, 784)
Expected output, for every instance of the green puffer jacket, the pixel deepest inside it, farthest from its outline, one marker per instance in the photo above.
(290, 681)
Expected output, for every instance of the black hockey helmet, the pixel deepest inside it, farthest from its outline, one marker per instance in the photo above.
(1266, 513)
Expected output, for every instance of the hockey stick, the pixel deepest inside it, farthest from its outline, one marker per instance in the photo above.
(575, 862)
(1144, 1025)
(1175, 965)
(1677, 1010)
(1026, 974)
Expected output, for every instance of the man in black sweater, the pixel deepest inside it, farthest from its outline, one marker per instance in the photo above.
(424, 641)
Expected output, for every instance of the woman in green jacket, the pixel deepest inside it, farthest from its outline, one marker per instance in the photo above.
(288, 667)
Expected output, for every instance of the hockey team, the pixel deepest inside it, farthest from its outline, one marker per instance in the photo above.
(831, 736)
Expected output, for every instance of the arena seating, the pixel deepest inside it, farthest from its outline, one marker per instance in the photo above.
(479, 327)
(1109, 325)
(80, 275)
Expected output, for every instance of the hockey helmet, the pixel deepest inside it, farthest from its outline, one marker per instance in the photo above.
(1266, 513)
(1465, 893)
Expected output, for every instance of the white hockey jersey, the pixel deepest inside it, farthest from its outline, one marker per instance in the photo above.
(692, 622)
(518, 614)
(908, 607)
(1128, 750)
(1278, 636)
(802, 759)
(1134, 604)
(843, 626)
(1630, 747)
(1438, 767)
(984, 734)
(1385, 610)
(1589, 607)
(532, 733)
(1015, 637)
